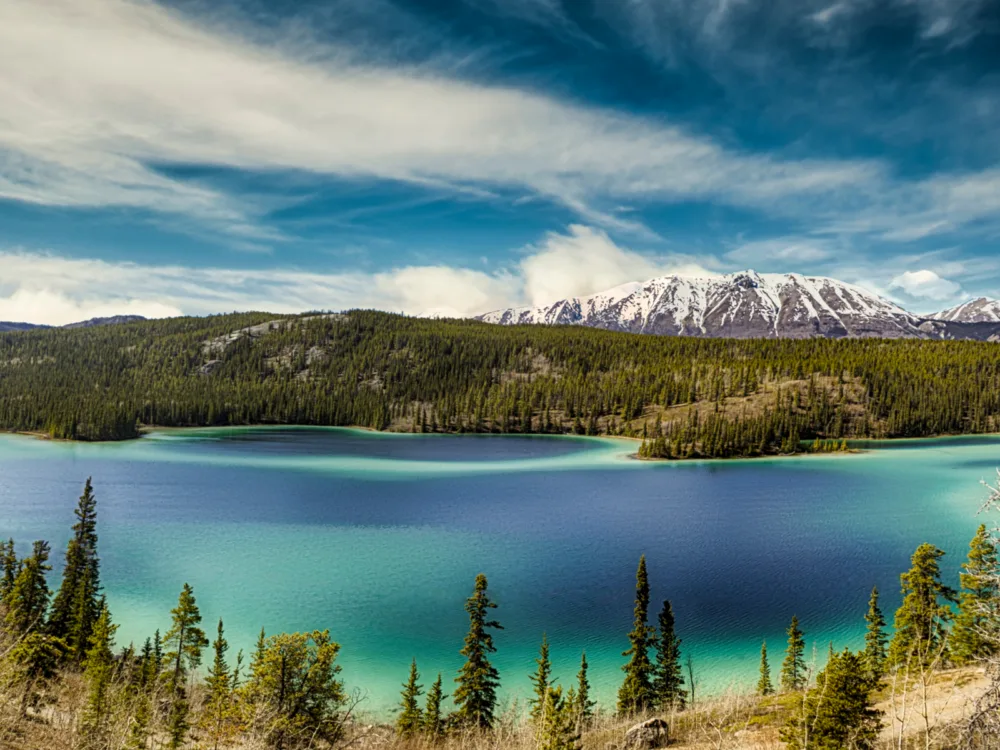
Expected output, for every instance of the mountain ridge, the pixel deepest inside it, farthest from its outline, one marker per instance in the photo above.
(748, 304)
(7, 326)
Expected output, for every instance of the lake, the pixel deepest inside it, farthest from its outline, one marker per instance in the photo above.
(379, 538)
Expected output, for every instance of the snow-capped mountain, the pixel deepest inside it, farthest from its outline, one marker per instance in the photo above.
(739, 305)
(982, 310)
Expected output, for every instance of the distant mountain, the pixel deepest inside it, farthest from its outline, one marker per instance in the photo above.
(746, 305)
(982, 310)
(6, 326)
(739, 305)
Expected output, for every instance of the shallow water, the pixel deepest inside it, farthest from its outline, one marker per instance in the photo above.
(379, 538)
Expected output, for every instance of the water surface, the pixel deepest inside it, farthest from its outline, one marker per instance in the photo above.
(379, 538)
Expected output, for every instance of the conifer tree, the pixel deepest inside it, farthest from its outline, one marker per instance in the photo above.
(157, 652)
(28, 599)
(295, 684)
(969, 640)
(557, 728)
(920, 621)
(411, 718)
(186, 641)
(76, 606)
(668, 681)
(478, 680)
(793, 668)
(8, 568)
(433, 717)
(636, 693)
(541, 680)
(764, 685)
(875, 639)
(584, 706)
(837, 712)
(99, 666)
(219, 687)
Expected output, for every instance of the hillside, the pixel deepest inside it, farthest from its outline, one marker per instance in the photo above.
(709, 397)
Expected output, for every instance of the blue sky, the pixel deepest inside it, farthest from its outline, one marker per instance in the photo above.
(454, 156)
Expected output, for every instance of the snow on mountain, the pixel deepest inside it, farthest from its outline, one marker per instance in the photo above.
(740, 305)
(982, 310)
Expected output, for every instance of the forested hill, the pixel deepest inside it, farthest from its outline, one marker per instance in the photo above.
(711, 397)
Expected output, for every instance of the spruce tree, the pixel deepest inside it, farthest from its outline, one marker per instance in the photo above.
(921, 619)
(668, 682)
(433, 717)
(584, 706)
(541, 680)
(99, 667)
(219, 685)
(28, 599)
(77, 604)
(838, 711)
(793, 668)
(557, 725)
(8, 568)
(411, 718)
(970, 639)
(875, 639)
(764, 685)
(186, 641)
(636, 693)
(478, 680)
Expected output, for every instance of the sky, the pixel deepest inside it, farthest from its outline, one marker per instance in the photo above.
(450, 157)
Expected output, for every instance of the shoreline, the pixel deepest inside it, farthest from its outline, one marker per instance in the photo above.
(872, 444)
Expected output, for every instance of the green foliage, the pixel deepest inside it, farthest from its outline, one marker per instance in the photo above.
(411, 720)
(764, 684)
(219, 684)
(478, 680)
(99, 667)
(557, 722)
(837, 713)
(541, 680)
(186, 641)
(380, 370)
(434, 721)
(295, 683)
(636, 693)
(584, 706)
(9, 568)
(793, 668)
(668, 680)
(27, 601)
(921, 619)
(874, 655)
(970, 639)
(76, 606)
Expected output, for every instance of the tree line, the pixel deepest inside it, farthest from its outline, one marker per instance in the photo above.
(686, 396)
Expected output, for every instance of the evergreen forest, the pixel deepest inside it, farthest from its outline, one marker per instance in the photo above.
(684, 397)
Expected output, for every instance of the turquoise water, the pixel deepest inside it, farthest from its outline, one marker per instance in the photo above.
(379, 538)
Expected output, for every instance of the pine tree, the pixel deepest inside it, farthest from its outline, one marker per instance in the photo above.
(636, 693)
(668, 682)
(410, 719)
(793, 668)
(186, 641)
(219, 685)
(969, 640)
(433, 717)
(920, 621)
(478, 679)
(27, 601)
(76, 606)
(541, 680)
(8, 568)
(584, 706)
(99, 666)
(875, 639)
(764, 685)
(837, 712)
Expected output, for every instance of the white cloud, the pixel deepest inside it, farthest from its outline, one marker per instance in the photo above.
(926, 284)
(92, 94)
(44, 288)
(788, 251)
(586, 260)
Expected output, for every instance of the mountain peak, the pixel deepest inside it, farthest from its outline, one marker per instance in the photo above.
(981, 310)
